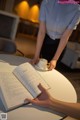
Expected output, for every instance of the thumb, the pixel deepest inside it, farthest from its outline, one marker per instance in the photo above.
(29, 100)
(41, 87)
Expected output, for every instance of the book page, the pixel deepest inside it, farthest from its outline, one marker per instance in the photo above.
(30, 78)
(12, 90)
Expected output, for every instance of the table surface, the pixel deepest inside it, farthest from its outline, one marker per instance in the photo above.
(61, 89)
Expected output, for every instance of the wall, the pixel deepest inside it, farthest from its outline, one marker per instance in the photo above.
(27, 10)
(2, 4)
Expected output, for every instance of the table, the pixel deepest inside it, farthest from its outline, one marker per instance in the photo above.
(61, 89)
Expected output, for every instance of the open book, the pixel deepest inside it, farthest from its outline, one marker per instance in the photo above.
(22, 83)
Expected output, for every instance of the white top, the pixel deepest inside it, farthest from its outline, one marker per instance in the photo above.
(61, 89)
(59, 17)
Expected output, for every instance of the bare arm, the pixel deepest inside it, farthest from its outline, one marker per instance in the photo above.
(63, 41)
(69, 109)
(40, 38)
(46, 100)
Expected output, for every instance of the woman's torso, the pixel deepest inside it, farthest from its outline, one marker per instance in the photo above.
(59, 17)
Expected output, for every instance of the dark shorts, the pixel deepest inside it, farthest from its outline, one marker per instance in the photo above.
(49, 48)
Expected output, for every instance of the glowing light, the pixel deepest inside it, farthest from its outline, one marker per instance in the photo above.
(22, 9)
(34, 13)
(26, 12)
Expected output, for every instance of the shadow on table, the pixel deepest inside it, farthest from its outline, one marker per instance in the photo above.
(45, 109)
(30, 106)
(2, 108)
(13, 59)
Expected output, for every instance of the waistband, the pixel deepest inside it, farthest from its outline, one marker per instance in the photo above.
(49, 40)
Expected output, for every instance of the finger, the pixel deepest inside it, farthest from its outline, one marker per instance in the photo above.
(48, 65)
(33, 101)
(41, 87)
(32, 62)
(29, 100)
(36, 102)
(51, 67)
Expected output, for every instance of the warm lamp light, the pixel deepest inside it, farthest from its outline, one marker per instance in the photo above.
(34, 13)
(22, 9)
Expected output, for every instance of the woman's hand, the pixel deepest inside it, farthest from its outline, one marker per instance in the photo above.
(34, 61)
(52, 64)
(44, 99)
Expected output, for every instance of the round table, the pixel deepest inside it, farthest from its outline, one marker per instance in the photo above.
(61, 89)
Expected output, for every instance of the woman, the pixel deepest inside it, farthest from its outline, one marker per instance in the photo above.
(57, 22)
